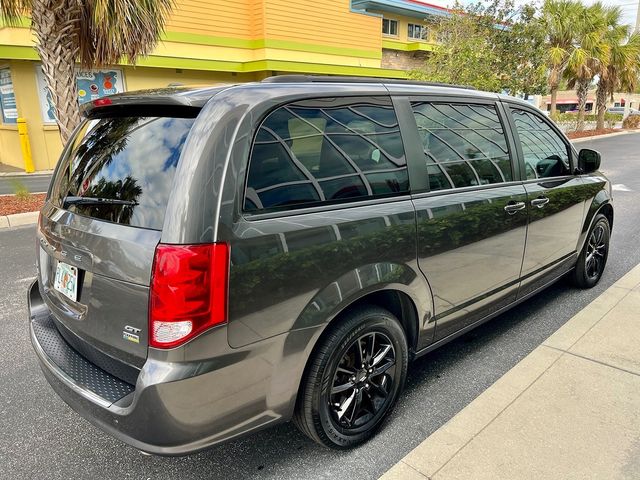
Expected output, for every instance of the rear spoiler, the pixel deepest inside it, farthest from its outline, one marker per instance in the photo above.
(177, 102)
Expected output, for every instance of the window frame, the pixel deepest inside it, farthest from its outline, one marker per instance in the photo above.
(423, 31)
(298, 209)
(418, 181)
(571, 152)
(391, 21)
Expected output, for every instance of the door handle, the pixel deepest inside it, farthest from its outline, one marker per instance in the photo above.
(513, 207)
(539, 202)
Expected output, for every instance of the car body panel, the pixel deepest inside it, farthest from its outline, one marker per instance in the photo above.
(345, 254)
(470, 250)
(114, 262)
(553, 230)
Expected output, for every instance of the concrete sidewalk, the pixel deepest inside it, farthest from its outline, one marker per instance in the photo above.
(569, 410)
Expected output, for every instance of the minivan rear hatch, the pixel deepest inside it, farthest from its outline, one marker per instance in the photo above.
(101, 224)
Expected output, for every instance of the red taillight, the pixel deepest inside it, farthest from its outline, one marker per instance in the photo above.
(101, 102)
(188, 292)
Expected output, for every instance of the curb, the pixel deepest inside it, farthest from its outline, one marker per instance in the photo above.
(439, 449)
(19, 219)
(606, 135)
(24, 174)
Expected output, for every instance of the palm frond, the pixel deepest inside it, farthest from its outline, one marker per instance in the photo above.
(12, 10)
(112, 30)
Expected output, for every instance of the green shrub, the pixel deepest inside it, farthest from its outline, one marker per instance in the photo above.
(632, 121)
(610, 118)
(20, 190)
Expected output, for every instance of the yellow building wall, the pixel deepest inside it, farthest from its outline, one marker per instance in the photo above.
(10, 146)
(44, 139)
(221, 18)
(141, 78)
(296, 24)
(326, 22)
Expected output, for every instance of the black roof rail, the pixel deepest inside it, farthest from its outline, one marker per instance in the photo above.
(346, 79)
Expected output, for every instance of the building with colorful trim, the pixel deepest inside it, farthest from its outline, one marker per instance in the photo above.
(567, 101)
(212, 41)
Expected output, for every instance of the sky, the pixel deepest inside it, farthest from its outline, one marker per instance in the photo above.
(628, 7)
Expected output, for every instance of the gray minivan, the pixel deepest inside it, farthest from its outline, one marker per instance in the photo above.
(213, 261)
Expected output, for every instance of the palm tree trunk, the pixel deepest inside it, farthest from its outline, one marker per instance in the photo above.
(601, 103)
(554, 81)
(554, 97)
(55, 24)
(582, 91)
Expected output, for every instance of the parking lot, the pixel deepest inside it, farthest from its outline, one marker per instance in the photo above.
(41, 437)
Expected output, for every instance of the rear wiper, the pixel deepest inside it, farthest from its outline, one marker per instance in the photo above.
(68, 201)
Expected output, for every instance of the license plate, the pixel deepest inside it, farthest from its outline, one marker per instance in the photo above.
(66, 281)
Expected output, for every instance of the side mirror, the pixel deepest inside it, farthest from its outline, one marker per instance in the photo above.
(588, 160)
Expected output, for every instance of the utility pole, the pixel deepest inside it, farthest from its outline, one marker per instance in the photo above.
(638, 18)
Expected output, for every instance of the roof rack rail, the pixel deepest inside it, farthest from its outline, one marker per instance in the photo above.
(347, 79)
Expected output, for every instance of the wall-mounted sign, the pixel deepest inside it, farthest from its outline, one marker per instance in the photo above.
(91, 84)
(7, 97)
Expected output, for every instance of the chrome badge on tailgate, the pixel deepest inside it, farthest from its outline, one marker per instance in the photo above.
(131, 334)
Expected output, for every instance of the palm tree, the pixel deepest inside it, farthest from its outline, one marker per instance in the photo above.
(622, 69)
(560, 20)
(92, 32)
(590, 52)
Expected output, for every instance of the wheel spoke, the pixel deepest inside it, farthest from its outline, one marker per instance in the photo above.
(356, 407)
(360, 352)
(381, 354)
(341, 388)
(373, 346)
(599, 235)
(346, 370)
(383, 368)
(345, 405)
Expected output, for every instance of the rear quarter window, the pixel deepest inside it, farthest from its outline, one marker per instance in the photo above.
(326, 151)
(129, 159)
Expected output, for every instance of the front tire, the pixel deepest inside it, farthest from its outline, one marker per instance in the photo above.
(353, 379)
(593, 258)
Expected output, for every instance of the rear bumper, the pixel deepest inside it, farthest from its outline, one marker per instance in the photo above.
(176, 407)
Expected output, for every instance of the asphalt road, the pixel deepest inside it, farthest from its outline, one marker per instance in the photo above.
(35, 183)
(40, 437)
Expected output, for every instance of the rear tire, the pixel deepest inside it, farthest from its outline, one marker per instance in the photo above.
(353, 379)
(593, 258)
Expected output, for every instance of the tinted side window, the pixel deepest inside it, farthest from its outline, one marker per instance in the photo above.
(464, 145)
(322, 151)
(545, 152)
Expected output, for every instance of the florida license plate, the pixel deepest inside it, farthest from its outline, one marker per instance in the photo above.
(66, 281)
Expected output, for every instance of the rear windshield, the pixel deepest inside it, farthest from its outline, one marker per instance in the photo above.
(121, 169)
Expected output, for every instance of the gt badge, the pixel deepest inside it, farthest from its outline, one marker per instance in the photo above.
(131, 334)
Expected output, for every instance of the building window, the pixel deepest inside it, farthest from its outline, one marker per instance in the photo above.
(389, 27)
(417, 32)
(8, 109)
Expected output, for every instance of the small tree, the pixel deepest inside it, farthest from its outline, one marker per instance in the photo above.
(560, 20)
(589, 53)
(493, 47)
(92, 32)
(620, 72)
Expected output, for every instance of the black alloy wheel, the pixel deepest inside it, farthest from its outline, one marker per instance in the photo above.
(593, 258)
(353, 379)
(362, 381)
